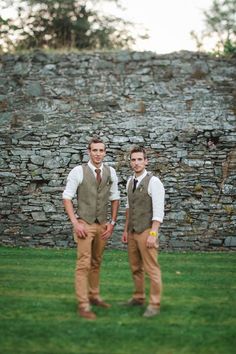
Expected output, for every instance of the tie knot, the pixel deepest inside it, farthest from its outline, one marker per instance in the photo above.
(98, 171)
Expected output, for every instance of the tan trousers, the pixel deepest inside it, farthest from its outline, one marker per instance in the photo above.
(89, 258)
(144, 260)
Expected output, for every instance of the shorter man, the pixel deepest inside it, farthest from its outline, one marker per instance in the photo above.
(144, 214)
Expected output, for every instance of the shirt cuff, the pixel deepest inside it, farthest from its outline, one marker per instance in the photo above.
(66, 196)
(115, 196)
(155, 218)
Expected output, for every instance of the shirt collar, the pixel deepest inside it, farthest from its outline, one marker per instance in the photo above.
(93, 168)
(139, 178)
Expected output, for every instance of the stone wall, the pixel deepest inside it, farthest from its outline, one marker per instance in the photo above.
(180, 106)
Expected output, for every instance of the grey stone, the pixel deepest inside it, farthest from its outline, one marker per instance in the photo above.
(179, 215)
(30, 208)
(49, 208)
(193, 163)
(136, 139)
(34, 89)
(229, 189)
(12, 189)
(5, 119)
(39, 216)
(216, 242)
(7, 175)
(22, 69)
(230, 241)
(34, 230)
(38, 160)
(181, 244)
(120, 139)
(52, 163)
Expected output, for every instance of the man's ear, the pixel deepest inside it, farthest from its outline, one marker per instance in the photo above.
(146, 162)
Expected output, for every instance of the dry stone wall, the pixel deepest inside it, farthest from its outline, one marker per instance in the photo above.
(180, 106)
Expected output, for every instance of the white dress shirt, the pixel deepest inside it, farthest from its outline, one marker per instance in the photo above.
(157, 193)
(75, 178)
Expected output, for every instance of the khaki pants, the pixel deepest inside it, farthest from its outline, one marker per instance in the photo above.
(144, 260)
(89, 258)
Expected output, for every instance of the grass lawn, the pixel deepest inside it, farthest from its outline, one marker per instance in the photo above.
(198, 312)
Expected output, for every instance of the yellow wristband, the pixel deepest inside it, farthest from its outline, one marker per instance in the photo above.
(153, 233)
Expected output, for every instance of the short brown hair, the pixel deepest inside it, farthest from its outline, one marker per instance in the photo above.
(95, 140)
(139, 149)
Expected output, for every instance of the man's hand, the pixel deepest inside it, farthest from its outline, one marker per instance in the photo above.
(152, 242)
(124, 238)
(79, 229)
(108, 231)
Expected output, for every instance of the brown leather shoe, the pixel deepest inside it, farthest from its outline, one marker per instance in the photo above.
(100, 303)
(89, 315)
(134, 302)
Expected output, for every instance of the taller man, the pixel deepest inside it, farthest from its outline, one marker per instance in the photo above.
(144, 214)
(95, 184)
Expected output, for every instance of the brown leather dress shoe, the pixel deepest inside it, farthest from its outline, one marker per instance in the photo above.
(100, 303)
(89, 315)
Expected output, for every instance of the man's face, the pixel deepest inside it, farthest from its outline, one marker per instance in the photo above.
(138, 163)
(97, 153)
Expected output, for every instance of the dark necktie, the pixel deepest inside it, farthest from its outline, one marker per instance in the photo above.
(98, 177)
(135, 184)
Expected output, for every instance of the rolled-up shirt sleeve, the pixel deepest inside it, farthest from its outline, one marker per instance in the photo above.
(114, 191)
(74, 179)
(157, 192)
(127, 185)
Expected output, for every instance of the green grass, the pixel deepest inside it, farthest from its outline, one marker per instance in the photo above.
(38, 306)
